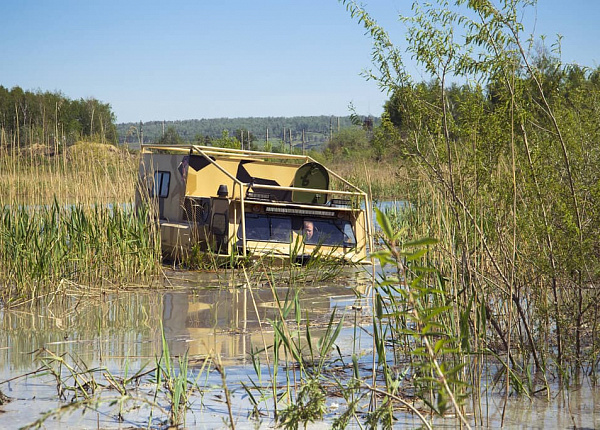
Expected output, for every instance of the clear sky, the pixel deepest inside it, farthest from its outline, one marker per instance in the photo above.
(155, 60)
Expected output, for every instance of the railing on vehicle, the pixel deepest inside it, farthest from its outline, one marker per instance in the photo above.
(244, 187)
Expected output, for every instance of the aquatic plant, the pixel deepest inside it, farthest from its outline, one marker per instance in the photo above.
(309, 406)
(174, 379)
(502, 171)
(67, 215)
(83, 388)
(99, 245)
(411, 310)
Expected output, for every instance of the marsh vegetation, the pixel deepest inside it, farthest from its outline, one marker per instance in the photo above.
(486, 286)
(69, 217)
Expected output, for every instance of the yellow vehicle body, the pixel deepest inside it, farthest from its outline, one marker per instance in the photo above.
(249, 203)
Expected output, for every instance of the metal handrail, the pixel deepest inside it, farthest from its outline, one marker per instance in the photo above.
(240, 184)
(206, 151)
(308, 190)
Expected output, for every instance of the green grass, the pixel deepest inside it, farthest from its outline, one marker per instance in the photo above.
(40, 247)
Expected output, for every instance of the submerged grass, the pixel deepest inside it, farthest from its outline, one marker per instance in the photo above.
(85, 389)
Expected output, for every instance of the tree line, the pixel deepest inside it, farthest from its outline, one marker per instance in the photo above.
(481, 112)
(51, 118)
(314, 131)
(56, 121)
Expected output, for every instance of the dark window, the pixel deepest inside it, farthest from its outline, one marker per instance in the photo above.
(266, 228)
(330, 232)
(160, 187)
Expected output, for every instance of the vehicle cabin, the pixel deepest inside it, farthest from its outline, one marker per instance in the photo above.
(249, 203)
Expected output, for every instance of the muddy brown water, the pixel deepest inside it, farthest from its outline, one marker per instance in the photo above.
(206, 315)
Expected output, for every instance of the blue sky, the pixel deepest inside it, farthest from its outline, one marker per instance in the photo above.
(155, 60)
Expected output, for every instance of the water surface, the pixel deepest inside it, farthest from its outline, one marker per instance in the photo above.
(211, 316)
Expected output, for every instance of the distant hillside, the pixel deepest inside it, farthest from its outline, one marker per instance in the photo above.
(316, 129)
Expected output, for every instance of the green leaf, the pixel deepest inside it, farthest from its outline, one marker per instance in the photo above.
(416, 255)
(385, 224)
(434, 312)
(421, 242)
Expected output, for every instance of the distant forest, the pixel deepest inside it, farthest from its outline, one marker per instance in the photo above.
(55, 121)
(314, 131)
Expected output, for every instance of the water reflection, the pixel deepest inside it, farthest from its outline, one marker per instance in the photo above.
(210, 315)
(199, 315)
(93, 328)
(230, 321)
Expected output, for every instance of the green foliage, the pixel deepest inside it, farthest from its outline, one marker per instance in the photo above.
(386, 141)
(382, 417)
(29, 118)
(174, 379)
(171, 137)
(40, 248)
(308, 407)
(411, 310)
(348, 140)
(314, 131)
(303, 356)
(506, 164)
(226, 141)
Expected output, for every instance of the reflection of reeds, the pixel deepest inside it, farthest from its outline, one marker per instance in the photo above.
(82, 387)
(107, 325)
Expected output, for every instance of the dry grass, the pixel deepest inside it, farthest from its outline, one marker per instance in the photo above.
(384, 180)
(85, 173)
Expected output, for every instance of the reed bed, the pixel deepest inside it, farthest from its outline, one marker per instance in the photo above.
(70, 216)
(86, 173)
(384, 180)
(514, 303)
(503, 173)
(97, 245)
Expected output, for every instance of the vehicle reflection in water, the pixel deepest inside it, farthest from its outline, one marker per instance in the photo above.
(232, 321)
(205, 328)
(199, 315)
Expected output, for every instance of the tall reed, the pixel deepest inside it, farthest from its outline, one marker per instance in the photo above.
(99, 245)
(505, 175)
(70, 216)
(85, 173)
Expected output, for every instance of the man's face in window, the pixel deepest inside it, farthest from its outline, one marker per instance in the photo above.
(309, 229)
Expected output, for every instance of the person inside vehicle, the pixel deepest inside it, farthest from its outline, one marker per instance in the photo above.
(309, 233)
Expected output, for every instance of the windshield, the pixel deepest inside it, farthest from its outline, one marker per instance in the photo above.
(269, 228)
